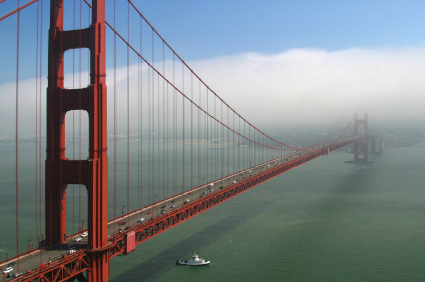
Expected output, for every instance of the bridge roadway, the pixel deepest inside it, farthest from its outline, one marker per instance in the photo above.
(30, 263)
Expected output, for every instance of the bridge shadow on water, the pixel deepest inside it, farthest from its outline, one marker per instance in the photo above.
(352, 184)
(164, 261)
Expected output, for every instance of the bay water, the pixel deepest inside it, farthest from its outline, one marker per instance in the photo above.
(323, 221)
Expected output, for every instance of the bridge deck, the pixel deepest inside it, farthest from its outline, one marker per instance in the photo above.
(158, 217)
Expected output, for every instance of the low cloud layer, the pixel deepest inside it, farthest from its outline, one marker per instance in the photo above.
(299, 86)
(308, 86)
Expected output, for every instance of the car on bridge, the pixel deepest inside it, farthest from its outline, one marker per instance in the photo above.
(8, 269)
(85, 234)
(12, 263)
(78, 239)
(141, 219)
(149, 212)
(16, 274)
(122, 223)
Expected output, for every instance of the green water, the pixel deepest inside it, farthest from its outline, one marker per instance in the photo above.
(323, 221)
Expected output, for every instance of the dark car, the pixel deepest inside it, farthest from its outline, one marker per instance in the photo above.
(163, 207)
(12, 263)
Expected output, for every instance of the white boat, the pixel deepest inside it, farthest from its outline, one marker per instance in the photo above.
(193, 261)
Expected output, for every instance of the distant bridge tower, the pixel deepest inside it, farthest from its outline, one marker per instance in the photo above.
(361, 149)
(92, 172)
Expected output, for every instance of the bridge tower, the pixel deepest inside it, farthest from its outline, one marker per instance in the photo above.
(361, 149)
(93, 172)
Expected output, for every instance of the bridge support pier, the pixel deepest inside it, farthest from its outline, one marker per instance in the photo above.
(361, 149)
(93, 172)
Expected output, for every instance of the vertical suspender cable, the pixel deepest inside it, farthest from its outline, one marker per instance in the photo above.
(222, 139)
(36, 126)
(115, 118)
(39, 120)
(239, 144)
(128, 109)
(163, 121)
(168, 139)
(207, 162)
(216, 138)
(62, 124)
(159, 146)
(183, 125)
(149, 134)
(234, 129)
(159, 135)
(73, 125)
(199, 136)
(174, 130)
(138, 133)
(153, 120)
(191, 131)
(141, 116)
(16, 137)
(79, 137)
(228, 142)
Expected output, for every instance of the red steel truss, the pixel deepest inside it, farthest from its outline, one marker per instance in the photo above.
(64, 269)
(164, 222)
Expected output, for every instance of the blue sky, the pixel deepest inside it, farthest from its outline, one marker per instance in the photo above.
(205, 29)
(321, 54)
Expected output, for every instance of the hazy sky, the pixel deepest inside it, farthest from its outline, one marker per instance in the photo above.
(278, 61)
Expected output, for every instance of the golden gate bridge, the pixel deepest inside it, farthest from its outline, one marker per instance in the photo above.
(178, 148)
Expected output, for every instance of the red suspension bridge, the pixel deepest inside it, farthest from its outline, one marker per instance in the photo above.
(178, 149)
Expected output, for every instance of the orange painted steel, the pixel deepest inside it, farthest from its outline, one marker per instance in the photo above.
(67, 267)
(93, 172)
